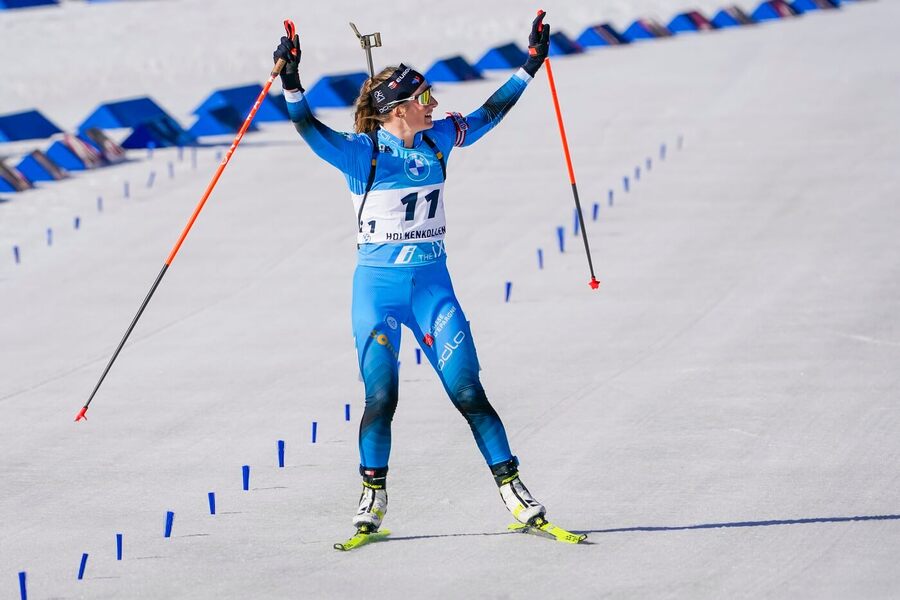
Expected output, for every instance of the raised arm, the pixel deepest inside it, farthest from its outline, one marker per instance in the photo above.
(345, 151)
(471, 128)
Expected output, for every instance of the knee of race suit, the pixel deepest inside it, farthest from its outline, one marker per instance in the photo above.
(382, 401)
(472, 401)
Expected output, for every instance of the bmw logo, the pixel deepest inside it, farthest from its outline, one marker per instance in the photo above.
(417, 166)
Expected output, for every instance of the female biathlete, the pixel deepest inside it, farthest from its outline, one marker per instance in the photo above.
(395, 165)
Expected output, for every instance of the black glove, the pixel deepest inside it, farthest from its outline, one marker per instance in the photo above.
(290, 74)
(538, 45)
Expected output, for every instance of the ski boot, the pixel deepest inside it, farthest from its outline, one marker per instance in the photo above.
(373, 500)
(518, 500)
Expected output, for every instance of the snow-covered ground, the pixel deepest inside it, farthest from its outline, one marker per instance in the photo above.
(720, 416)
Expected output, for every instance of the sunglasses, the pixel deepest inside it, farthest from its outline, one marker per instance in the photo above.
(424, 98)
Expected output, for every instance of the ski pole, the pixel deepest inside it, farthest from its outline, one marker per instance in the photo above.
(562, 134)
(289, 27)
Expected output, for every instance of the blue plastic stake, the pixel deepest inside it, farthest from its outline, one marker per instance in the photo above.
(281, 453)
(315, 427)
(596, 210)
(194, 157)
(649, 163)
(219, 155)
(127, 193)
(576, 228)
(637, 173)
(180, 153)
(540, 258)
(16, 254)
(625, 183)
(49, 236)
(680, 141)
(418, 358)
(347, 410)
(212, 502)
(245, 470)
(662, 152)
(151, 179)
(170, 516)
(171, 170)
(150, 147)
(77, 223)
(561, 235)
(83, 565)
(508, 289)
(99, 203)
(610, 200)
(118, 546)
(23, 592)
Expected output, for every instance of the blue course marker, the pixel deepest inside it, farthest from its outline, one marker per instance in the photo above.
(170, 516)
(637, 173)
(540, 254)
(315, 427)
(118, 546)
(418, 360)
(508, 289)
(171, 170)
(23, 592)
(82, 566)
(212, 502)
(561, 236)
(280, 454)
(576, 222)
(49, 236)
(151, 179)
(245, 471)
(680, 141)
(346, 412)
(662, 152)
(596, 210)
(16, 255)
(649, 163)
(127, 190)
(150, 147)
(194, 157)
(77, 223)
(610, 200)
(180, 153)
(99, 203)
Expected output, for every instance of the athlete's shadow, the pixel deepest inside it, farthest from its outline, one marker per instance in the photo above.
(746, 524)
(652, 528)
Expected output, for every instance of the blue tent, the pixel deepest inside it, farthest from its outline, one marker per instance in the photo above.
(241, 99)
(561, 45)
(452, 69)
(773, 9)
(123, 113)
(731, 16)
(37, 167)
(507, 56)
(690, 21)
(336, 91)
(219, 121)
(10, 4)
(74, 154)
(11, 180)
(645, 29)
(26, 125)
(601, 35)
(802, 6)
(161, 132)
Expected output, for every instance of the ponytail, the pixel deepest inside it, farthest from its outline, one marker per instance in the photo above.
(365, 118)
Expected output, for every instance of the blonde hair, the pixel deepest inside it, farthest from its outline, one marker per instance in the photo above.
(366, 118)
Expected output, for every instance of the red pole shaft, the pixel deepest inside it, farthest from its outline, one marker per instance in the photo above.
(559, 120)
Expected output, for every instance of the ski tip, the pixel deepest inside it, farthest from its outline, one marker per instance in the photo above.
(81, 414)
(594, 283)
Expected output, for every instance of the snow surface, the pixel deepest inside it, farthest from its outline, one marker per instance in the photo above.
(714, 415)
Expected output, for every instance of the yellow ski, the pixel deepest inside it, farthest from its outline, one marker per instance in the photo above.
(363, 536)
(545, 528)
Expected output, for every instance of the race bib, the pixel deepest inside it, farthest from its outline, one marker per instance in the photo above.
(402, 215)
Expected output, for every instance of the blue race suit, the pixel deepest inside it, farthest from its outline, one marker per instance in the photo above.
(401, 275)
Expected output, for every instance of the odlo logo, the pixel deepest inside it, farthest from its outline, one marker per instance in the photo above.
(449, 347)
